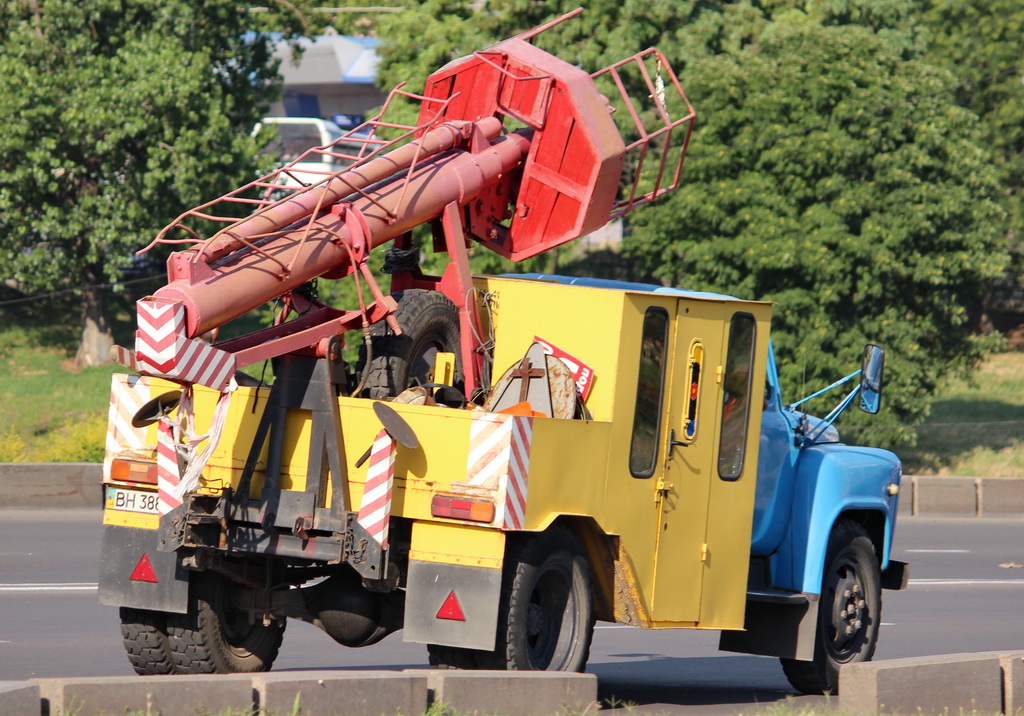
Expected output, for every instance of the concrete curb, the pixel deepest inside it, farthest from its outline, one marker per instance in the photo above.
(986, 682)
(18, 698)
(77, 484)
(928, 496)
(323, 693)
(51, 484)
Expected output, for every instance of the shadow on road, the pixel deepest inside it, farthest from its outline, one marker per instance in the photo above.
(700, 681)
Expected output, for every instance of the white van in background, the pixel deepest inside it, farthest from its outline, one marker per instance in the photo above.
(296, 135)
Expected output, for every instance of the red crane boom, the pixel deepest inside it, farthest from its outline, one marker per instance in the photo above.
(514, 149)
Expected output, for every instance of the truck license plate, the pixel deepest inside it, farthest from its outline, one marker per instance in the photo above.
(118, 498)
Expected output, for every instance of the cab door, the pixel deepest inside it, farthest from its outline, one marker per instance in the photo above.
(705, 498)
(688, 440)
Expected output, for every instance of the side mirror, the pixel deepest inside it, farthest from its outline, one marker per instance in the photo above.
(871, 366)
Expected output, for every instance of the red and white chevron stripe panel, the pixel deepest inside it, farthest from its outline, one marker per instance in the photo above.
(162, 348)
(123, 356)
(167, 474)
(375, 507)
(499, 459)
(128, 393)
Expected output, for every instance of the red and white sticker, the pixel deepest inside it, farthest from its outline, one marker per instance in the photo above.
(375, 508)
(582, 373)
(499, 459)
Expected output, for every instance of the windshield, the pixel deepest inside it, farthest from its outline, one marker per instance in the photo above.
(294, 139)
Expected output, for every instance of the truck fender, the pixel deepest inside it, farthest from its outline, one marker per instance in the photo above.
(833, 480)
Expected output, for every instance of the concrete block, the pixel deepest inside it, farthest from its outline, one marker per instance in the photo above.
(51, 484)
(342, 693)
(151, 695)
(951, 683)
(1012, 666)
(19, 698)
(907, 484)
(946, 496)
(998, 496)
(513, 693)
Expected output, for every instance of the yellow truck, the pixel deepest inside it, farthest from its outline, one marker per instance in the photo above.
(511, 458)
(511, 533)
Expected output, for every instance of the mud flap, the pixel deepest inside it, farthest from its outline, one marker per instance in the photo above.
(134, 573)
(452, 605)
(783, 628)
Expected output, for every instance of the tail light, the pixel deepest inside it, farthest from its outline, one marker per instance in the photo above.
(133, 471)
(459, 508)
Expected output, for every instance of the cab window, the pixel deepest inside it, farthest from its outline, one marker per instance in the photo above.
(695, 364)
(736, 396)
(650, 389)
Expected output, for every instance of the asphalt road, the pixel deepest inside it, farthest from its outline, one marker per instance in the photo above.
(966, 594)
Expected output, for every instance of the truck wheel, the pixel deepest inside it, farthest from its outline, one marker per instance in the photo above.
(430, 325)
(215, 637)
(546, 615)
(145, 639)
(849, 611)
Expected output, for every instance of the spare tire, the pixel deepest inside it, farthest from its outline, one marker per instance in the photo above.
(430, 325)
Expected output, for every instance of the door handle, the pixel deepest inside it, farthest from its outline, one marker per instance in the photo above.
(672, 442)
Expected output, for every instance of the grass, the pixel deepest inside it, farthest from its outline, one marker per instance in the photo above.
(52, 412)
(977, 429)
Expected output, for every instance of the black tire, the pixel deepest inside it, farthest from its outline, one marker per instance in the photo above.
(430, 325)
(547, 605)
(217, 638)
(145, 639)
(849, 611)
(546, 614)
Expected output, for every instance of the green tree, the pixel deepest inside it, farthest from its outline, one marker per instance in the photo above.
(118, 115)
(837, 179)
(980, 42)
(831, 170)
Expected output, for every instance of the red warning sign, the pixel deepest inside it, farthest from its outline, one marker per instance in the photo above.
(582, 373)
(451, 609)
(143, 571)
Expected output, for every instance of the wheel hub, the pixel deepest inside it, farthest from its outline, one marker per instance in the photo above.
(534, 622)
(848, 610)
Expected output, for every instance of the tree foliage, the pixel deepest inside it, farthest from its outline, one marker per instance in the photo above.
(980, 43)
(118, 115)
(835, 178)
(831, 170)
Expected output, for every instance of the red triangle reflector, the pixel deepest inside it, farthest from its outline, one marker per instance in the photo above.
(143, 571)
(451, 609)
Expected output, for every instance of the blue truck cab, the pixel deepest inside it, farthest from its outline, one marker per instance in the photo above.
(823, 526)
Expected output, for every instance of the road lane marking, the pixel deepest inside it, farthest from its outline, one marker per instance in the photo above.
(964, 582)
(938, 551)
(63, 587)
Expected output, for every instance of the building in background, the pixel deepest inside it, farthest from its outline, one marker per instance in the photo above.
(332, 79)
